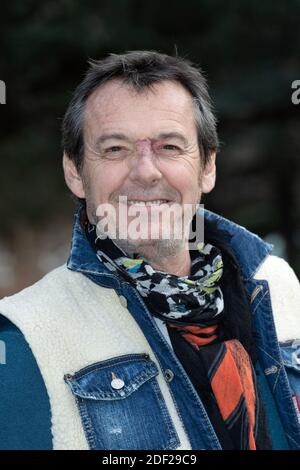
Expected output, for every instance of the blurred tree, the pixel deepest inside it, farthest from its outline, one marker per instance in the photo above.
(249, 50)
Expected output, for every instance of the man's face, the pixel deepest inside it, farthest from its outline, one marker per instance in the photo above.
(142, 145)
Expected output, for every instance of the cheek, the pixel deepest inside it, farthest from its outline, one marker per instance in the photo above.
(104, 179)
(184, 177)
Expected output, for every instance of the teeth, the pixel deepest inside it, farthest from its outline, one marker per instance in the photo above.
(147, 203)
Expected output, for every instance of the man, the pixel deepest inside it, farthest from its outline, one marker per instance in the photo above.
(146, 341)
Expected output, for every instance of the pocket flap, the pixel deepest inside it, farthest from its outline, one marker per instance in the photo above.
(290, 351)
(97, 381)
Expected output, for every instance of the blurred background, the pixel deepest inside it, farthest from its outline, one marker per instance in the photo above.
(250, 51)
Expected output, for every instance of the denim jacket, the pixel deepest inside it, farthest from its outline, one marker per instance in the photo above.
(120, 399)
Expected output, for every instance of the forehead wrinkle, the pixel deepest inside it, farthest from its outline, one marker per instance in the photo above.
(109, 95)
(102, 109)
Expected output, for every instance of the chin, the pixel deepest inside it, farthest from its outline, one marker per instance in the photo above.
(151, 249)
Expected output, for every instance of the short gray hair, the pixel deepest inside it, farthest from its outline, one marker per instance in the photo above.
(140, 69)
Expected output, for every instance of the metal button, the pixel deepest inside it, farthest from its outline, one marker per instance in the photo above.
(116, 383)
(169, 375)
(123, 301)
(68, 377)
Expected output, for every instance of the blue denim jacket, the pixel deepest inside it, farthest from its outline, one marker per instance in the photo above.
(250, 251)
(278, 370)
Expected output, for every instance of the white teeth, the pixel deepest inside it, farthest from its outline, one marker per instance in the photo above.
(148, 203)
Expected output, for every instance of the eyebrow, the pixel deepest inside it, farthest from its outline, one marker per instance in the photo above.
(173, 135)
(104, 137)
(163, 135)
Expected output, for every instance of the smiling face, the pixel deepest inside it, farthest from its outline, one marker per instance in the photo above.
(142, 145)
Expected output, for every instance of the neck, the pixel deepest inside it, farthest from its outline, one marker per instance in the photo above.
(172, 258)
(179, 265)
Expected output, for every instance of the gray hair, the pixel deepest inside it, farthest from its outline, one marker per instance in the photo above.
(140, 70)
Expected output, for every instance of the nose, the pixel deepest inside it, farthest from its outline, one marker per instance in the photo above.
(143, 165)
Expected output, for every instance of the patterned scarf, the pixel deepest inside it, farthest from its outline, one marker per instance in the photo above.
(194, 307)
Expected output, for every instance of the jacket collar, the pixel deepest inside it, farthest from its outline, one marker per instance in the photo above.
(249, 249)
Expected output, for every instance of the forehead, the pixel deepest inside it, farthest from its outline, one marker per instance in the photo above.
(116, 106)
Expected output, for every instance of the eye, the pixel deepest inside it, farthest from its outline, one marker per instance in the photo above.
(116, 151)
(168, 150)
(170, 147)
(113, 149)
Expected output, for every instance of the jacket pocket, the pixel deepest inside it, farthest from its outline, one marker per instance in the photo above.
(121, 405)
(290, 351)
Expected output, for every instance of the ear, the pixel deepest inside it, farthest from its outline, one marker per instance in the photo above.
(72, 177)
(208, 177)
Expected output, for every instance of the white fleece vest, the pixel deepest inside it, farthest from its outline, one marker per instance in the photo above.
(71, 322)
